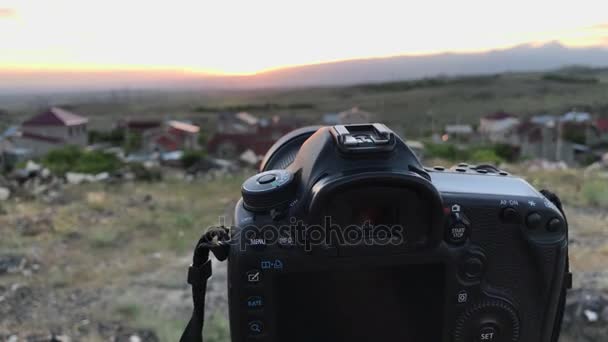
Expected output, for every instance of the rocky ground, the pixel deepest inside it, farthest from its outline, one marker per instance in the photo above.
(107, 262)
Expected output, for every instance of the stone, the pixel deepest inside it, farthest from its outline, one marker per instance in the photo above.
(75, 178)
(32, 226)
(12, 263)
(32, 166)
(5, 194)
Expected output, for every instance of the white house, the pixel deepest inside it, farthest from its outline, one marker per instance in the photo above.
(498, 127)
(52, 129)
(576, 117)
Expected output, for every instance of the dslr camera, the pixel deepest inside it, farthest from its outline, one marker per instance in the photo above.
(345, 236)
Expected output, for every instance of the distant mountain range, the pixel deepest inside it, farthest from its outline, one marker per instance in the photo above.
(519, 58)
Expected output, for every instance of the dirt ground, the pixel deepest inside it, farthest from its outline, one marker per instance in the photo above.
(108, 262)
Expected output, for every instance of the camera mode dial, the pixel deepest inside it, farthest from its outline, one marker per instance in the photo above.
(268, 190)
(489, 321)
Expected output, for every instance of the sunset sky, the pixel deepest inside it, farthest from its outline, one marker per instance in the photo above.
(244, 37)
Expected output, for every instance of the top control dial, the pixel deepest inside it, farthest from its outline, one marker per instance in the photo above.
(267, 190)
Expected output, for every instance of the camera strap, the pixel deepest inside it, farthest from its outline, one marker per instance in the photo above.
(215, 240)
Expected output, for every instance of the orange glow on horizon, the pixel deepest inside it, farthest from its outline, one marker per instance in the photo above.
(234, 38)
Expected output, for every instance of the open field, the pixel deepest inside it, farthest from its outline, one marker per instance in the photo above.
(109, 261)
(427, 103)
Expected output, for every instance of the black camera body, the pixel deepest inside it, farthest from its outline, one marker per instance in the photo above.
(345, 236)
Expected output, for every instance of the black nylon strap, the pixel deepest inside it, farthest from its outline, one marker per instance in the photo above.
(213, 240)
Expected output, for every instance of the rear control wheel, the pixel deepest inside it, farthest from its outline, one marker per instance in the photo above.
(488, 321)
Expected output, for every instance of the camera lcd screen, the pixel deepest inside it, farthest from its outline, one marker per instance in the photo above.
(401, 304)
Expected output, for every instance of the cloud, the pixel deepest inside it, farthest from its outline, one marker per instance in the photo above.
(7, 13)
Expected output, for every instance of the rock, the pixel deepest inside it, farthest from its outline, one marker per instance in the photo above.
(101, 177)
(591, 316)
(32, 226)
(75, 178)
(12, 263)
(249, 157)
(45, 173)
(134, 338)
(32, 166)
(5, 194)
(586, 315)
(129, 176)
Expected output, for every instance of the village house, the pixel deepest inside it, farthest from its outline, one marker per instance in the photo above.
(239, 132)
(175, 136)
(499, 127)
(601, 128)
(51, 129)
(555, 139)
(348, 117)
(241, 122)
(354, 116)
(163, 136)
(458, 132)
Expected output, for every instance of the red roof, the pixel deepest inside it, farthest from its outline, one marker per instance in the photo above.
(167, 143)
(55, 117)
(602, 124)
(499, 116)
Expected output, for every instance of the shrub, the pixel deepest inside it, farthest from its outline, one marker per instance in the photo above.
(132, 142)
(191, 158)
(446, 151)
(506, 152)
(115, 137)
(485, 156)
(144, 174)
(62, 160)
(72, 158)
(96, 162)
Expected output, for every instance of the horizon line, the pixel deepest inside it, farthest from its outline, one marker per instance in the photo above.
(219, 74)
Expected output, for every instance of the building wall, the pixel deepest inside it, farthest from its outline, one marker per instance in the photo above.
(547, 148)
(72, 135)
(499, 131)
(37, 148)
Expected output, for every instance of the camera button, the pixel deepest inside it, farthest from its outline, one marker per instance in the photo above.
(457, 233)
(473, 267)
(554, 225)
(255, 328)
(253, 277)
(267, 178)
(255, 302)
(488, 333)
(510, 215)
(533, 220)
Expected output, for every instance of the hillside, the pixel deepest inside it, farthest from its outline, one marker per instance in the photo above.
(520, 58)
(414, 105)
